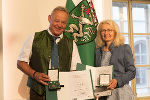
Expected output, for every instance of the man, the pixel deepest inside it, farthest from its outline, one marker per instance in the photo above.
(35, 57)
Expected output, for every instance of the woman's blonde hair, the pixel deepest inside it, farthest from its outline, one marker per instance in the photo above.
(118, 39)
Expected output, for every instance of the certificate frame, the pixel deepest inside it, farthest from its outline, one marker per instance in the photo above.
(104, 80)
(54, 76)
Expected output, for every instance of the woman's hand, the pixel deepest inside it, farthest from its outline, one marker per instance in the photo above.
(112, 84)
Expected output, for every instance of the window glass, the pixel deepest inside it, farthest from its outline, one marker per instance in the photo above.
(141, 49)
(116, 15)
(143, 81)
(141, 18)
(120, 16)
(126, 39)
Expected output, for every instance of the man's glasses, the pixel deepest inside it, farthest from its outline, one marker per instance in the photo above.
(108, 30)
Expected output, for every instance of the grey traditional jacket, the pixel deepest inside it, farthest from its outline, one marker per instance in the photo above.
(122, 61)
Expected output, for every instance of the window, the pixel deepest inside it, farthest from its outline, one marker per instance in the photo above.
(121, 18)
(133, 18)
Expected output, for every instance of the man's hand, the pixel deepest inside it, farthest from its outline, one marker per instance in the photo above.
(112, 84)
(41, 78)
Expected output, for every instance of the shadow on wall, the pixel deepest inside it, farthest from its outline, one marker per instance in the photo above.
(1, 59)
(23, 89)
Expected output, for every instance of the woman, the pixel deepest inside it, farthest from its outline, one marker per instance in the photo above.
(111, 50)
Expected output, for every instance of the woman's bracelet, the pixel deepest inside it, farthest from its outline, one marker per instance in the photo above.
(34, 74)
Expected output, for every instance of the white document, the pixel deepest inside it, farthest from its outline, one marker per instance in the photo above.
(96, 71)
(77, 85)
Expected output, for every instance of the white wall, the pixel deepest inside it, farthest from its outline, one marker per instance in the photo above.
(103, 9)
(21, 18)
